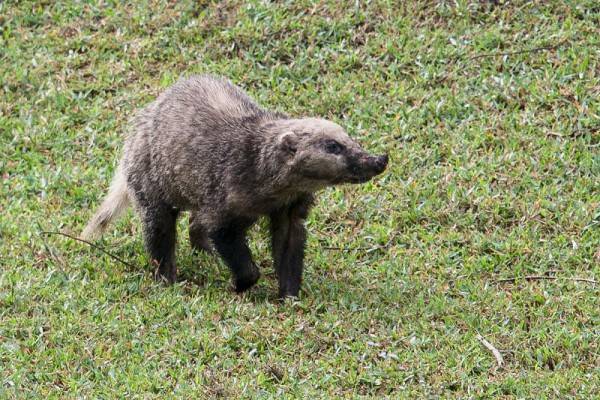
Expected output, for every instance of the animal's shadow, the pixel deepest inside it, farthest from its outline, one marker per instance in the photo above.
(320, 285)
(206, 270)
(199, 270)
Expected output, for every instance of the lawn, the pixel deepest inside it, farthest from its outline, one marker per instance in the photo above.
(491, 115)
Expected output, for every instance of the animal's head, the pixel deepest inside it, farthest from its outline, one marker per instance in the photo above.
(321, 152)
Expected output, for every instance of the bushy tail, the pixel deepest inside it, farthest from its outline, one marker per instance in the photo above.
(113, 205)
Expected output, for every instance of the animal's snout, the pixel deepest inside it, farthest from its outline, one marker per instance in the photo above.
(380, 163)
(367, 167)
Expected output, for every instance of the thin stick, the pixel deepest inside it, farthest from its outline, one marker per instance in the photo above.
(510, 53)
(91, 245)
(491, 348)
(544, 277)
(59, 260)
(348, 248)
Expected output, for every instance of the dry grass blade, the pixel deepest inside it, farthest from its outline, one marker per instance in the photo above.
(491, 348)
(544, 277)
(510, 53)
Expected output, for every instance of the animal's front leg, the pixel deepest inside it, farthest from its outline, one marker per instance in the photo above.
(230, 242)
(288, 239)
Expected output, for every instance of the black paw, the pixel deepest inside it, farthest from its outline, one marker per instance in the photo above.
(168, 278)
(202, 244)
(165, 273)
(243, 283)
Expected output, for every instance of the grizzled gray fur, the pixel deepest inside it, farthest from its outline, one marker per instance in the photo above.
(204, 146)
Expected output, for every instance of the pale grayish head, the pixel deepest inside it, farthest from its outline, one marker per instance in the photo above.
(321, 151)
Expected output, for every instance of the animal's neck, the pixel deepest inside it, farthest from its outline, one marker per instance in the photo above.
(273, 167)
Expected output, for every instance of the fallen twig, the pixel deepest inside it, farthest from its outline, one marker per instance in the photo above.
(510, 53)
(491, 348)
(544, 277)
(59, 260)
(365, 248)
(91, 245)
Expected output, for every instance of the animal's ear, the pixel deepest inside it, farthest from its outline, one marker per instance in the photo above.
(288, 142)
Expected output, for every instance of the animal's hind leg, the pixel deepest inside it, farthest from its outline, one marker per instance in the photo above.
(160, 236)
(198, 235)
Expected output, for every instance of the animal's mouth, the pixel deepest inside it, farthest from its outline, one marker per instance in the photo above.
(365, 171)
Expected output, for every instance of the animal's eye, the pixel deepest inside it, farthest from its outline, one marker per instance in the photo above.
(333, 147)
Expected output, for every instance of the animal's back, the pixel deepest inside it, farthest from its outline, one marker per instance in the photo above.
(185, 140)
(201, 105)
(210, 96)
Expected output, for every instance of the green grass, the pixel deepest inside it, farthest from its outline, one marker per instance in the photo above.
(495, 173)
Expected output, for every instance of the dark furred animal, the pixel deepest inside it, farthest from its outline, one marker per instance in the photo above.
(204, 146)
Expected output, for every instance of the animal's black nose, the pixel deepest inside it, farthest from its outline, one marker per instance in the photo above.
(381, 163)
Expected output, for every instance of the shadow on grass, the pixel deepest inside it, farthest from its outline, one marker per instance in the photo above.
(199, 271)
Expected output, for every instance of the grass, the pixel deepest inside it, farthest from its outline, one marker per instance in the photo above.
(495, 174)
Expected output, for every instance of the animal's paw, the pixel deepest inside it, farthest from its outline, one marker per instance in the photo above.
(165, 273)
(201, 243)
(245, 282)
